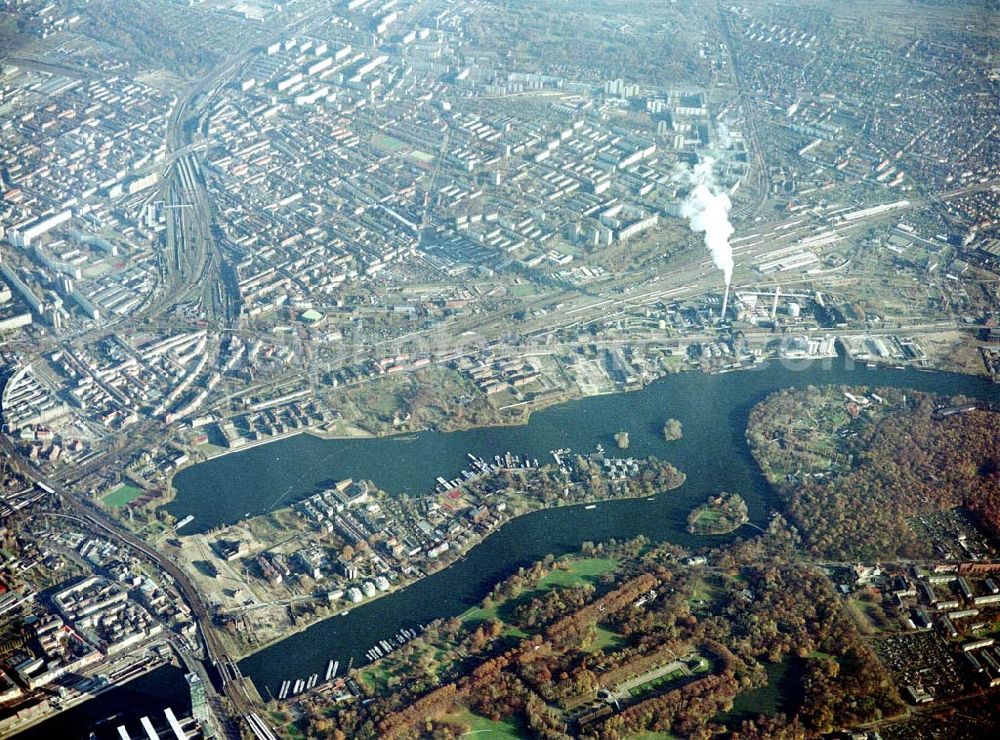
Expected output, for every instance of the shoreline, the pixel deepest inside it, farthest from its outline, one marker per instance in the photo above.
(83, 699)
(463, 554)
(312, 431)
(523, 420)
(170, 493)
(510, 423)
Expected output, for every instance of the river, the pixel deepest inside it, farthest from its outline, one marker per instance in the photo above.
(712, 408)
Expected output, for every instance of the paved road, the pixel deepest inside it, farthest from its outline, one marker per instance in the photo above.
(85, 511)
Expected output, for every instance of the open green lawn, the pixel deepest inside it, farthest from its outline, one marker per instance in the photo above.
(605, 639)
(482, 727)
(122, 496)
(703, 592)
(389, 143)
(864, 615)
(383, 404)
(711, 520)
(653, 736)
(583, 570)
(770, 699)
(478, 614)
(708, 517)
(579, 571)
(376, 677)
(673, 363)
(93, 272)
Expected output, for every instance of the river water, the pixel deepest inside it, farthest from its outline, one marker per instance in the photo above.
(712, 408)
(713, 454)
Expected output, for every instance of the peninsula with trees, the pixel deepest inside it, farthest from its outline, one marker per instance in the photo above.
(336, 548)
(856, 467)
(618, 640)
(638, 639)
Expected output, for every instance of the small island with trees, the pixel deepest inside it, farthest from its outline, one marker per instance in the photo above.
(721, 514)
(621, 439)
(672, 430)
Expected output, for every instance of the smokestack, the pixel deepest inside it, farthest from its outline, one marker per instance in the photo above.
(725, 302)
(774, 306)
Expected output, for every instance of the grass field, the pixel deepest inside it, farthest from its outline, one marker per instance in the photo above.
(704, 593)
(585, 570)
(480, 726)
(708, 518)
(389, 143)
(783, 693)
(122, 496)
(580, 571)
(861, 613)
(605, 639)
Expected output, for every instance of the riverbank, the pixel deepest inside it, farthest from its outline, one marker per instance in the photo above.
(199, 456)
(9, 728)
(478, 510)
(317, 432)
(712, 408)
(522, 419)
(395, 590)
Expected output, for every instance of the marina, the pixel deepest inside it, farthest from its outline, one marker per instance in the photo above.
(294, 687)
(481, 468)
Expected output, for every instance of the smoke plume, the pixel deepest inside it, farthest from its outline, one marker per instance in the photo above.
(707, 211)
(725, 139)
